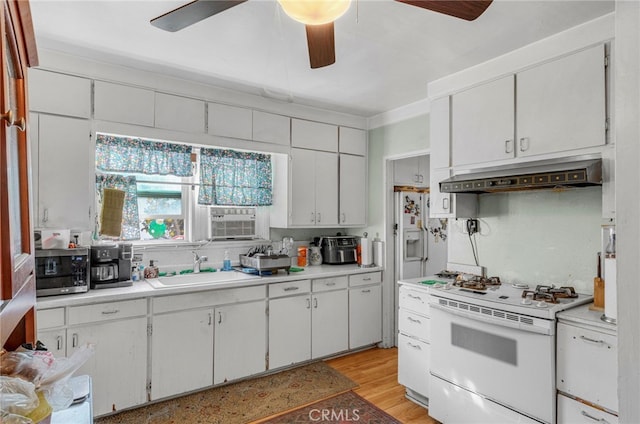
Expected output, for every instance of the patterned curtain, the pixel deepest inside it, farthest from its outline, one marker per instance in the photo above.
(232, 178)
(124, 154)
(130, 225)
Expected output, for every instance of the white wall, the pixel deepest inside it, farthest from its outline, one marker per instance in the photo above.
(535, 237)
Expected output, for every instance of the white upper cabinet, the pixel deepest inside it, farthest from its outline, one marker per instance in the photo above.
(353, 190)
(230, 121)
(482, 123)
(561, 104)
(179, 113)
(271, 128)
(59, 93)
(353, 141)
(412, 171)
(122, 103)
(440, 132)
(314, 135)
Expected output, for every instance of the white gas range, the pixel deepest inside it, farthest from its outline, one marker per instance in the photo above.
(493, 350)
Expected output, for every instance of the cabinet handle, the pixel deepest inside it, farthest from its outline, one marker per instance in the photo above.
(111, 312)
(74, 340)
(414, 346)
(508, 146)
(344, 217)
(589, 340)
(524, 144)
(8, 117)
(45, 214)
(414, 297)
(308, 303)
(420, 178)
(59, 342)
(313, 217)
(445, 203)
(600, 420)
(291, 288)
(417, 321)
(315, 303)
(219, 317)
(210, 318)
(366, 279)
(20, 123)
(319, 217)
(331, 283)
(366, 291)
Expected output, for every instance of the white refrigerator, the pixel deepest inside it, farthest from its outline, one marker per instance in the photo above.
(421, 243)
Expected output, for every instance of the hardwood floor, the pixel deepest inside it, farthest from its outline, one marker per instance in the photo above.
(376, 371)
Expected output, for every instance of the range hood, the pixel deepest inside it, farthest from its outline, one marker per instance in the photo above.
(549, 176)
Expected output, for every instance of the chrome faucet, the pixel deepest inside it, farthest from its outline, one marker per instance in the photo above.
(197, 260)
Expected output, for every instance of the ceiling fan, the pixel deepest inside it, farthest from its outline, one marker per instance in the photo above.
(319, 25)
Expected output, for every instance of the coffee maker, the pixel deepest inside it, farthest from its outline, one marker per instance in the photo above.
(111, 265)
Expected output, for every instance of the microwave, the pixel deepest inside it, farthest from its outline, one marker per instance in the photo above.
(62, 271)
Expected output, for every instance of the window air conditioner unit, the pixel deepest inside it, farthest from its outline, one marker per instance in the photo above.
(232, 223)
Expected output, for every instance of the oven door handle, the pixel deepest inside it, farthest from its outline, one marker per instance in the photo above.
(500, 322)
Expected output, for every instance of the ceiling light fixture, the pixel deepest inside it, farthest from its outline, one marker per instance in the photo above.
(315, 12)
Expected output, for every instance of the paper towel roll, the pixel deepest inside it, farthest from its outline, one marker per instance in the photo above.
(366, 254)
(610, 291)
(378, 252)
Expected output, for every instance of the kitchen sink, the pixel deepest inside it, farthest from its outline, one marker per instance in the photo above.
(203, 278)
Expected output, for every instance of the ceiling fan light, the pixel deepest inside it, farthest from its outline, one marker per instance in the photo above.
(315, 12)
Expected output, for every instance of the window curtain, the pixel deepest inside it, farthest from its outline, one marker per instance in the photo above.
(130, 225)
(232, 178)
(124, 154)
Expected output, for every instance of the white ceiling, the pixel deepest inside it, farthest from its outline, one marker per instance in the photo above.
(386, 52)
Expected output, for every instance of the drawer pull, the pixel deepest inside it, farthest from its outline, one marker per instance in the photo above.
(414, 346)
(332, 283)
(417, 321)
(292, 288)
(589, 340)
(366, 279)
(600, 420)
(366, 291)
(414, 297)
(111, 312)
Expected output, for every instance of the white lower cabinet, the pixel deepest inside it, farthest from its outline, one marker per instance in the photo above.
(240, 341)
(365, 309)
(413, 343)
(289, 330)
(571, 411)
(329, 323)
(174, 334)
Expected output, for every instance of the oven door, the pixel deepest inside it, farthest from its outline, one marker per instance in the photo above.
(503, 365)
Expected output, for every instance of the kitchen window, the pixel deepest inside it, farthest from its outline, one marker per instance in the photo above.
(163, 186)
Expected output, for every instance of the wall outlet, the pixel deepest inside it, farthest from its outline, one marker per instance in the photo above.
(472, 226)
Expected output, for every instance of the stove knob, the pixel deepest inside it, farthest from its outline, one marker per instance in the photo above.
(526, 301)
(541, 304)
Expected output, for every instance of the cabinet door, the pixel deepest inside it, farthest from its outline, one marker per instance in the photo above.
(179, 113)
(314, 135)
(353, 190)
(240, 341)
(571, 411)
(303, 181)
(482, 123)
(118, 367)
(561, 104)
(365, 316)
(405, 171)
(326, 188)
(230, 121)
(271, 128)
(353, 141)
(413, 364)
(329, 323)
(173, 372)
(65, 178)
(289, 330)
(121, 103)
(440, 133)
(59, 93)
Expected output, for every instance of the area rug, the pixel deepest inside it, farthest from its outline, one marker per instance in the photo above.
(347, 407)
(242, 402)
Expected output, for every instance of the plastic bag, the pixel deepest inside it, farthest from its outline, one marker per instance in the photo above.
(8, 418)
(17, 396)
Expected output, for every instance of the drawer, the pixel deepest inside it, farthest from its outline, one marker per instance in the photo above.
(326, 284)
(289, 288)
(570, 411)
(50, 318)
(181, 302)
(413, 364)
(364, 279)
(587, 365)
(414, 300)
(414, 325)
(107, 311)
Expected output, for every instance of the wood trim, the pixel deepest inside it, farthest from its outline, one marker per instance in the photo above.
(18, 317)
(411, 189)
(21, 12)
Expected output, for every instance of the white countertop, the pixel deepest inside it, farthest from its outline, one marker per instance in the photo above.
(585, 316)
(141, 289)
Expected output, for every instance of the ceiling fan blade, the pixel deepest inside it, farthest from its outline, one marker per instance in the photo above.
(463, 9)
(321, 43)
(191, 13)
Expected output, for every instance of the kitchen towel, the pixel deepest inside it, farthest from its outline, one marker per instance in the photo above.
(366, 254)
(378, 252)
(610, 291)
(111, 216)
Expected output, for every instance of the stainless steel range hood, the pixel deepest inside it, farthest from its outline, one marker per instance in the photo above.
(556, 175)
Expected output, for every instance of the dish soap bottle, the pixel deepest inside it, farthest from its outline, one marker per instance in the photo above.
(226, 264)
(151, 271)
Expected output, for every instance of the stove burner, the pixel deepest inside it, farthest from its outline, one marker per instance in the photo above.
(550, 294)
(477, 282)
